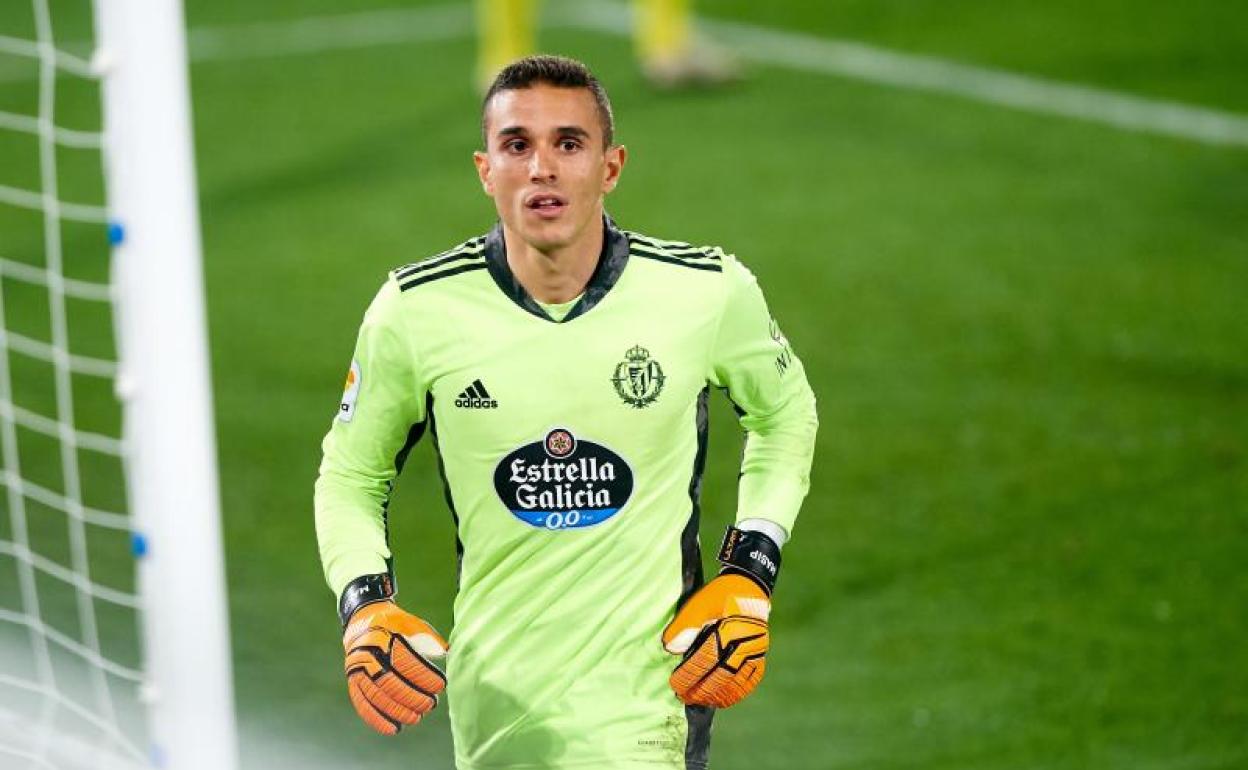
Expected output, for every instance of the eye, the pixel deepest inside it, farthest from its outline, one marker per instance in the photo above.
(568, 145)
(516, 145)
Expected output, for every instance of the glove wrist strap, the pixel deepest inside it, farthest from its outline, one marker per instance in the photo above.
(752, 554)
(365, 589)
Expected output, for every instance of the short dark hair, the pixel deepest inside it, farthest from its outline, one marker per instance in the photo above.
(557, 71)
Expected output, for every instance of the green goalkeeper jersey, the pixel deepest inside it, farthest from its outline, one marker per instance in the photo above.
(572, 452)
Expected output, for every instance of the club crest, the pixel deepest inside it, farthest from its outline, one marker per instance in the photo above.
(638, 379)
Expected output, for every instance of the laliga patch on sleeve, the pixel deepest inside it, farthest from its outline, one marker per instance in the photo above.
(350, 391)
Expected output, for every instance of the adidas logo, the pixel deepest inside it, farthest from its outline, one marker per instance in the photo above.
(475, 396)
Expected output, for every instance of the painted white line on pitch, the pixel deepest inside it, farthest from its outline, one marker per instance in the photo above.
(1023, 92)
(880, 65)
(794, 50)
(316, 34)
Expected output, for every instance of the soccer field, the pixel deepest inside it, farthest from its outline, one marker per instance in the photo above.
(1026, 536)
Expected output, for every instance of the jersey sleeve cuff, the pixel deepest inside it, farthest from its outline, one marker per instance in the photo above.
(767, 527)
(345, 567)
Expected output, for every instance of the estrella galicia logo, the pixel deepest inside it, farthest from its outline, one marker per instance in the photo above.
(638, 378)
(562, 482)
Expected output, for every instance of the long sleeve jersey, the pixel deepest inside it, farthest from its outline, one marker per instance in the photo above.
(572, 452)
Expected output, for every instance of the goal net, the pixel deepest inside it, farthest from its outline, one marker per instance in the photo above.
(113, 630)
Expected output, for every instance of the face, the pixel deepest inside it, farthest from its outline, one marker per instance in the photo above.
(545, 163)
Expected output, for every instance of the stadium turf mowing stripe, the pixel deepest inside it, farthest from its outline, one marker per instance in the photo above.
(841, 58)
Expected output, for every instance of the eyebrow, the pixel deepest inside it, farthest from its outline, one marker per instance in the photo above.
(576, 131)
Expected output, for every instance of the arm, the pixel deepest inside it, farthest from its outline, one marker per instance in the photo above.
(767, 384)
(722, 629)
(382, 414)
(382, 407)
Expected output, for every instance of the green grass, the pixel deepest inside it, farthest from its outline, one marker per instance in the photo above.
(1192, 51)
(1025, 539)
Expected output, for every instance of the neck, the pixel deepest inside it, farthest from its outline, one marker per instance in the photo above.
(559, 274)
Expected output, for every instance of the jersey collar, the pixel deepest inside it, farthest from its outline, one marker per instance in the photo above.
(611, 264)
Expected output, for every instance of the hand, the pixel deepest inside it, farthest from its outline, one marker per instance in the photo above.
(389, 677)
(722, 633)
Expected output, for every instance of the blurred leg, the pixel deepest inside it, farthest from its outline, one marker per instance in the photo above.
(505, 32)
(662, 30)
(670, 55)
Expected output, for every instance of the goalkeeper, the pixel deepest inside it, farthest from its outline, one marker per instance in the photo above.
(561, 366)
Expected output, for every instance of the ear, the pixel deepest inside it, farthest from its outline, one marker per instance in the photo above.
(615, 157)
(482, 161)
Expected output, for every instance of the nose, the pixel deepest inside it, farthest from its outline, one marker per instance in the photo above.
(542, 165)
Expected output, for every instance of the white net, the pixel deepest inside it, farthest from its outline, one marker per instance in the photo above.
(70, 662)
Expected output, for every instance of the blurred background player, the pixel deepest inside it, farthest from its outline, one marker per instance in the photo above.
(670, 54)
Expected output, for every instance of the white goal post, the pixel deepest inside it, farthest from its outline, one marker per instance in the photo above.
(164, 381)
(114, 630)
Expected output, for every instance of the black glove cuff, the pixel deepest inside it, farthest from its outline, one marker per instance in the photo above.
(752, 554)
(365, 589)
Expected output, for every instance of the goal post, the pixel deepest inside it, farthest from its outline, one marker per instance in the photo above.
(114, 629)
(164, 381)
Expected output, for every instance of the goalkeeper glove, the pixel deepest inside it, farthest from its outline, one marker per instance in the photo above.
(390, 680)
(722, 630)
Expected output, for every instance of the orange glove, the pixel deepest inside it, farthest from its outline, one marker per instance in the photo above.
(722, 633)
(389, 677)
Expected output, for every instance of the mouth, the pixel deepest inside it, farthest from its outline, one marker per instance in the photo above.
(546, 205)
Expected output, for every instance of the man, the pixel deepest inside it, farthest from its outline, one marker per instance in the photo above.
(561, 366)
